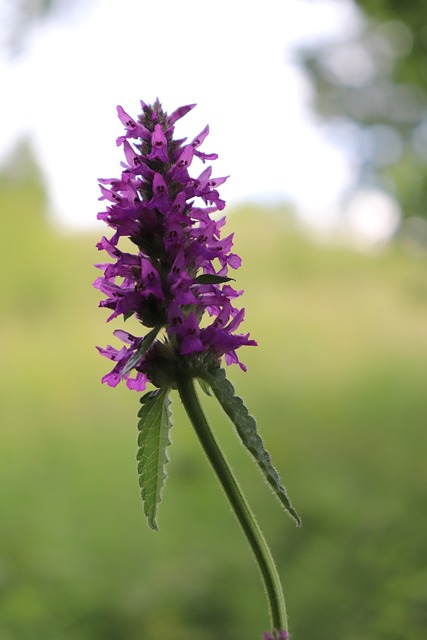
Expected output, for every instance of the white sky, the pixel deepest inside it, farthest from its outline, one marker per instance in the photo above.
(234, 59)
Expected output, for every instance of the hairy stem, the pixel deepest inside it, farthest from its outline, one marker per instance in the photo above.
(238, 503)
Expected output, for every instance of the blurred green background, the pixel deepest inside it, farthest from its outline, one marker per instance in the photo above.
(338, 386)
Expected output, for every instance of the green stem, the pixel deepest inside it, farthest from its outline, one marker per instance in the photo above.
(238, 502)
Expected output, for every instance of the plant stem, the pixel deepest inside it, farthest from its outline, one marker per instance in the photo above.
(238, 502)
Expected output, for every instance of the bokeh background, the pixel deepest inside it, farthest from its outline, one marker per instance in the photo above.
(337, 384)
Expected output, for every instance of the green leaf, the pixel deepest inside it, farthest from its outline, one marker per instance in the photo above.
(211, 278)
(153, 439)
(246, 428)
(204, 386)
(146, 343)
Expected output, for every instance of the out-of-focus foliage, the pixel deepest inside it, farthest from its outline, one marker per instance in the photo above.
(372, 89)
(19, 17)
(338, 387)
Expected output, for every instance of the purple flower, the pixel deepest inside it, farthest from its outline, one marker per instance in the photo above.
(122, 357)
(276, 635)
(175, 281)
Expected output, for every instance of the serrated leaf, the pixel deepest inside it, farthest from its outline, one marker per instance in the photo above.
(146, 343)
(154, 425)
(211, 278)
(247, 429)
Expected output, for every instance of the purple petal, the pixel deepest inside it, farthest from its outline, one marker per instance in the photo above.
(158, 145)
(160, 198)
(138, 383)
(133, 129)
(180, 113)
(197, 141)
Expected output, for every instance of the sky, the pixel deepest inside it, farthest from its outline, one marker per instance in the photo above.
(234, 59)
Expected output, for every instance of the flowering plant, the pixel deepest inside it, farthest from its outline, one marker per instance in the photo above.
(176, 283)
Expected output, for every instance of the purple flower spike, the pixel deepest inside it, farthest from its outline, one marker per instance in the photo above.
(175, 282)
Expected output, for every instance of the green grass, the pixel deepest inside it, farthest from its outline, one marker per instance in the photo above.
(338, 386)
